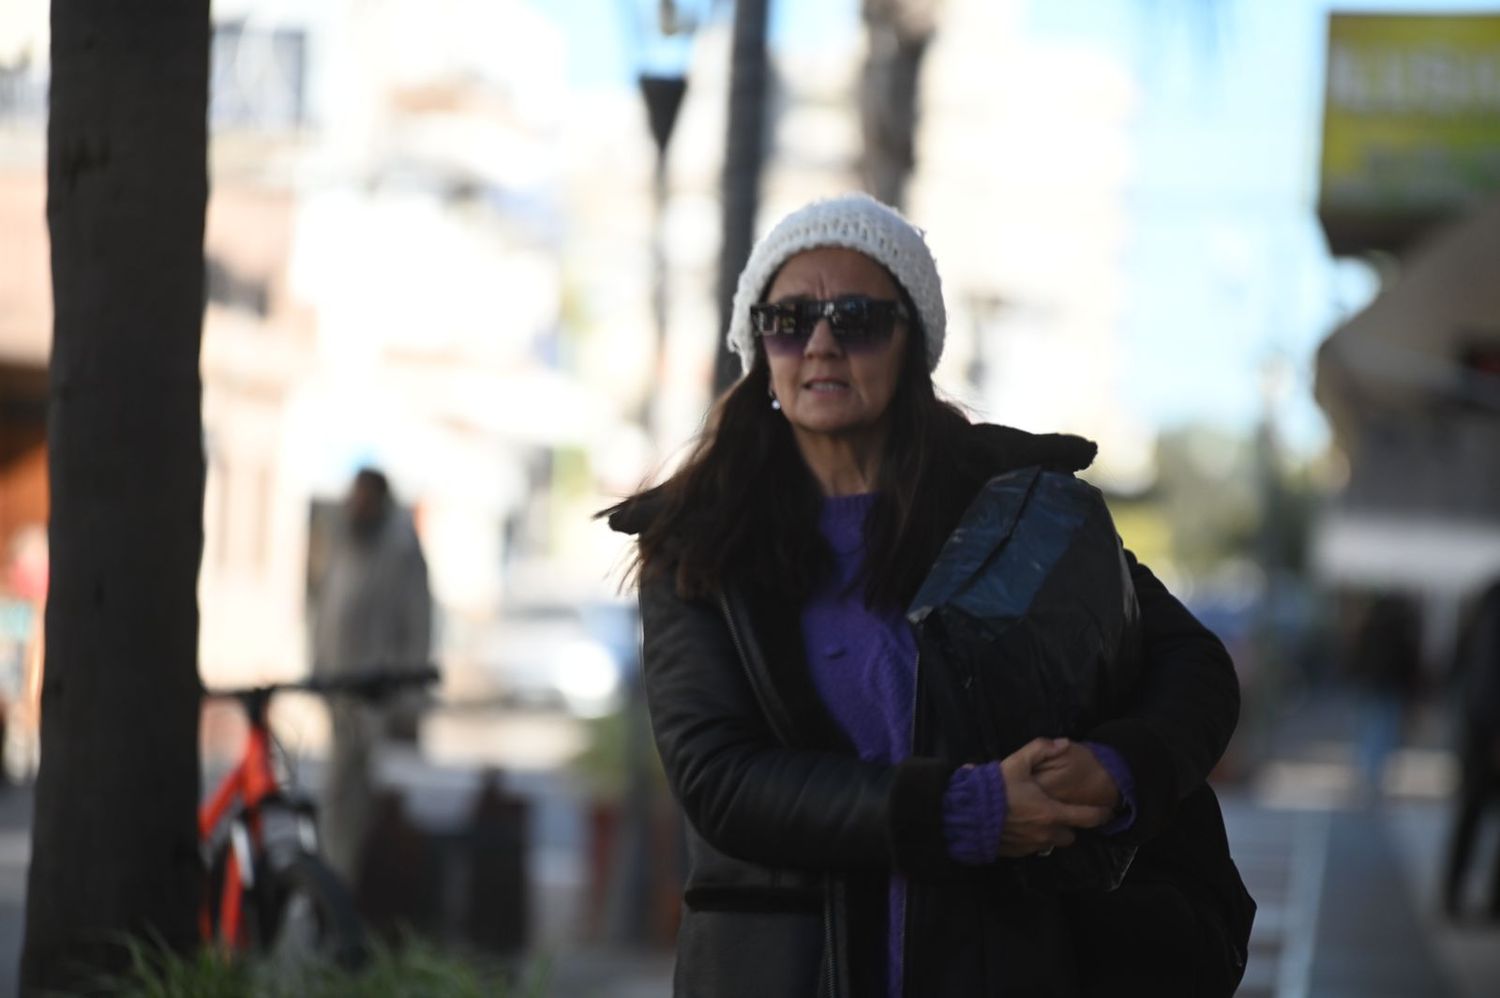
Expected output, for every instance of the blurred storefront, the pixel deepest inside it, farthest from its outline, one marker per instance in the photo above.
(1411, 389)
(25, 336)
(25, 333)
(1411, 384)
(1411, 126)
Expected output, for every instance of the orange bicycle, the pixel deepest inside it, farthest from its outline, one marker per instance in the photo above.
(268, 888)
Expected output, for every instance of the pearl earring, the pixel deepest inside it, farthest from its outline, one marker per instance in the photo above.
(775, 402)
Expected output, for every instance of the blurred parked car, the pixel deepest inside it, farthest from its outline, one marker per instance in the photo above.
(574, 656)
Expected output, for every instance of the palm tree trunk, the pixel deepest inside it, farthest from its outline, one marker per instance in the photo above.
(899, 31)
(743, 156)
(114, 841)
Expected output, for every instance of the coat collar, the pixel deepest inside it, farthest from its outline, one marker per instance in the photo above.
(994, 450)
(988, 449)
(775, 636)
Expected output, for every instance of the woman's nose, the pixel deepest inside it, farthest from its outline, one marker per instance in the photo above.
(822, 342)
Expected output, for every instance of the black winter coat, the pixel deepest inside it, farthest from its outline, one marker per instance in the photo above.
(793, 837)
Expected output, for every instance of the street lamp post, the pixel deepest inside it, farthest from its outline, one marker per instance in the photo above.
(662, 38)
(985, 308)
(663, 96)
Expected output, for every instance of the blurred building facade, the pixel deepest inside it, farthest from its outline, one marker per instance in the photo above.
(1412, 388)
(384, 287)
(386, 226)
(1024, 171)
(428, 250)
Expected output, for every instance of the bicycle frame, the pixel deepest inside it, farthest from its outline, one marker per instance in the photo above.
(237, 801)
(237, 805)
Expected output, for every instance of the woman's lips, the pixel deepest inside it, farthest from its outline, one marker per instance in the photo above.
(826, 385)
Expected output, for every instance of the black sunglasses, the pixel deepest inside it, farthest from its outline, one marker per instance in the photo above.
(857, 323)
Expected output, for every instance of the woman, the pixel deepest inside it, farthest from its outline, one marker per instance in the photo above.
(1476, 670)
(847, 837)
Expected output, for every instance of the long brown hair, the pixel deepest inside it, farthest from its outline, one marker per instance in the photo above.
(744, 505)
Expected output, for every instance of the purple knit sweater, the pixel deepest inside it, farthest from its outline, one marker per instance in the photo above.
(864, 666)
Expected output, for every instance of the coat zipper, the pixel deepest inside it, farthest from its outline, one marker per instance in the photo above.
(906, 905)
(734, 632)
(830, 941)
(981, 701)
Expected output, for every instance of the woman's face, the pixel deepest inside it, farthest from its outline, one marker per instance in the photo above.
(828, 387)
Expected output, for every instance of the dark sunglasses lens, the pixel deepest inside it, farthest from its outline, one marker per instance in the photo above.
(785, 344)
(850, 320)
(861, 324)
(857, 323)
(780, 326)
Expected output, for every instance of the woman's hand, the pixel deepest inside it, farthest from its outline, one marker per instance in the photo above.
(1075, 776)
(1035, 821)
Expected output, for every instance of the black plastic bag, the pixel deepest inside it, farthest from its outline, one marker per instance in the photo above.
(1031, 598)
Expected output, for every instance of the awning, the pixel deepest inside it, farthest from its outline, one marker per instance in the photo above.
(1405, 351)
(1389, 550)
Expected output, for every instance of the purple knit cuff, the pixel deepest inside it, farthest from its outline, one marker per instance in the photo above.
(1114, 764)
(974, 814)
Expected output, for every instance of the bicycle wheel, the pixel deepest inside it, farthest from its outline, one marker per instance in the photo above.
(311, 916)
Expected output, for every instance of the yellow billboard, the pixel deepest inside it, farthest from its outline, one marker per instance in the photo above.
(1411, 124)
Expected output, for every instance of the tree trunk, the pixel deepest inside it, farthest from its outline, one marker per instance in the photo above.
(899, 31)
(114, 842)
(743, 156)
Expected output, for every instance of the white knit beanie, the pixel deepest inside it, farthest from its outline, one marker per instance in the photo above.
(853, 221)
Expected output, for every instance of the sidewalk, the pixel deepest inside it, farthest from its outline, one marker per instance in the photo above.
(576, 971)
(1347, 910)
(1347, 896)
(1347, 905)
(608, 973)
(15, 852)
(1344, 912)
(1348, 890)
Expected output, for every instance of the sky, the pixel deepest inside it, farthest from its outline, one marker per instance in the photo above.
(1224, 243)
(599, 31)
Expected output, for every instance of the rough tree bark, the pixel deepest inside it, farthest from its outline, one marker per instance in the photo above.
(114, 847)
(899, 31)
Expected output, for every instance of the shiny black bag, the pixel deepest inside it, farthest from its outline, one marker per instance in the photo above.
(1179, 924)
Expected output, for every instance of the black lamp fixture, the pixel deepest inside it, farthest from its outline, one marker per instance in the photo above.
(662, 35)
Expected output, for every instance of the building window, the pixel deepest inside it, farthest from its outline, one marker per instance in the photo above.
(258, 77)
(227, 288)
(23, 92)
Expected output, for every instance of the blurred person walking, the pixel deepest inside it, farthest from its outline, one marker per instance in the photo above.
(1477, 671)
(1386, 663)
(935, 732)
(373, 611)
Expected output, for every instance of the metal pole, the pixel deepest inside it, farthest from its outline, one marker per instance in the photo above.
(650, 414)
